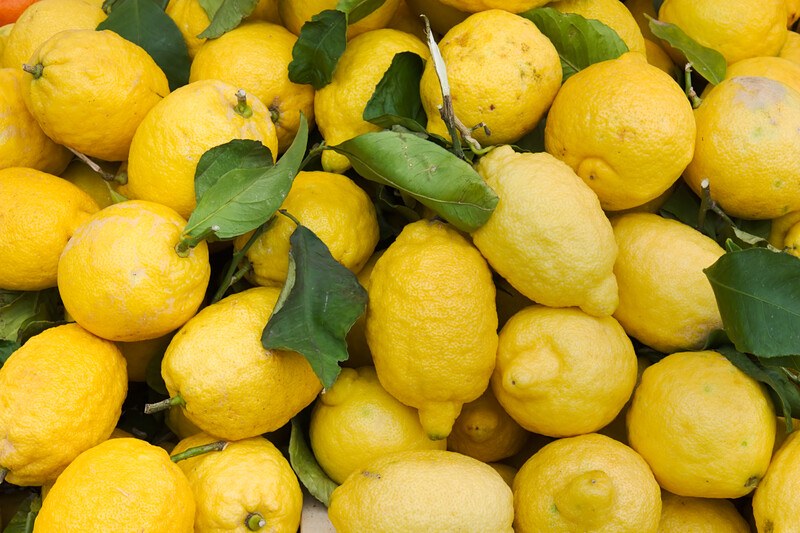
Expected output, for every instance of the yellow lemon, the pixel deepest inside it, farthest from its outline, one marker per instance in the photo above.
(763, 181)
(441, 16)
(119, 485)
(586, 483)
(22, 141)
(179, 424)
(545, 380)
(775, 505)
(540, 195)
(256, 56)
(231, 386)
(514, 6)
(295, 13)
(339, 106)
(120, 277)
(357, 347)
(61, 394)
(792, 12)
(406, 20)
(138, 355)
(625, 127)
(681, 422)
(791, 50)
(701, 515)
(657, 57)
(506, 472)
(665, 300)
(640, 8)
(266, 10)
(5, 31)
(432, 322)
(779, 230)
(89, 90)
(337, 210)
(38, 215)
(89, 181)
(612, 13)
(774, 68)
(248, 486)
(525, 77)
(423, 491)
(191, 19)
(356, 421)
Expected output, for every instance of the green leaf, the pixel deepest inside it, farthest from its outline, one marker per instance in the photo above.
(218, 161)
(706, 61)
(144, 23)
(425, 171)
(319, 303)
(319, 46)
(22, 521)
(396, 99)
(210, 7)
(305, 465)
(758, 295)
(358, 9)
(6, 349)
(19, 309)
(580, 42)
(228, 16)
(242, 198)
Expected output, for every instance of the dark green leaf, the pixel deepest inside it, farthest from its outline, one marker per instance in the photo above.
(319, 46)
(243, 198)
(396, 99)
(305, 465)
(153, 376)
(427, 172)
(6, 349)
(218, 161)
(580, 42)
(143, 22)
(210, 7)
(317, 307)
(230, 14)
(758, 294)
(683, 205)
(707, 62)
(533, 141)
(19, 309)
(657, 5)
(22, 521)
(395, 201)
(716, 338)
(358, 9)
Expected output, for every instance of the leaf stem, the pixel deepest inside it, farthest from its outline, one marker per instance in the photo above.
(187, 242)
(231, 271)
(3, 472)
(242, 107)
(254, 521)
(708, 204)
(163, 405)
(313, 153)
(199, 450)
(290, 216)
(689, 89)
(94, 166)
(794, 378)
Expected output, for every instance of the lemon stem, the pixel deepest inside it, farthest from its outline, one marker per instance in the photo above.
(242, 107)
(689, 89)
(163, 405)
(94, 166)
(3, 472)
(34, 70)
(199, 450)
(188, 242)
(708, 204)
(254, 521)
(288, 215)
(274, 115)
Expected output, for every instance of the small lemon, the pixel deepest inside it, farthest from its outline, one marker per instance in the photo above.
(506, 472)
(139, 353)
(613, 14)
(89, 181)
(407, 20)
(657, 57)
(775, 505)
(514, 6)
(791, 50)
(779, 230)
(441, 16)
(191, 19)
(295, 13)
(640, 8)
(5, 31)
(701, 515)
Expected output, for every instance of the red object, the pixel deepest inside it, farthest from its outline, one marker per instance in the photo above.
(10, 10)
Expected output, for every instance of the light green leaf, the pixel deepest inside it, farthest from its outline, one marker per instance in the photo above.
(707, 62)
(19, 309)
(22, 521)
(218, 161)
(305, 465)
(319, 46)
(358, 9)
(396, 99)
(229, 15)
(210, 7)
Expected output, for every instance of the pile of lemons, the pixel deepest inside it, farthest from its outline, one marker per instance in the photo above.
(493, 382)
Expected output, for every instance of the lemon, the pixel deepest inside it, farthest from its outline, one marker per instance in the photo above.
(42, 20)
(657, 57)
(586, 483)
(485, 431)
(432, 322)
(640, 8)
(61, 394)
(541, 196)
(681, 422)
(774, 68)
(337, 210)
(248, 486)
(89, 181)
(506, 472)
(779, 231)
(119, 485)
(38, 215)
(295, 13)
(357, 347)
(514, 6)
(774, 504)
(357, 421)
(545, 379)
(256, 56)
(526, 75)
(22, 141)
(232, 387)
(266, 10)
(138, 355)
(441, 16)
(191, 19)
(202, 115)
(179, 424)
(625, 127)
(407, 20)
(665, 299)
(612, 13)
(5, 31)
(763, 181)
(792, 12)
(702, 515)
(422, 491)
(791, 50)
(120, 277)
(339, 106)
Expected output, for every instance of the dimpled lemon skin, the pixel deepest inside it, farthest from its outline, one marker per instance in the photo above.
(791, 49)
(613, 14)
(201, 115)
(665, 299)
(432, 322)
(774, 68)
(331, 205)
(38, 215)
(232, 386)
(681, 422)
(525, 77)
(762, 181)
(249, 476)
(295, 13)
(339, 106)
(625, 127)
(680, 514)
(423, 491)
(775, 503)
(94, 90)
(119, 485)
(191, 19)
(561, 372)
(586, 483)
(541, 196)
(120, 277)
(356, 421)
(60, 394)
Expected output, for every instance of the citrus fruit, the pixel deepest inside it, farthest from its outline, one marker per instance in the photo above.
(514, 6)
(791, 49)
(613, 14)
(138, 355)
(657, 57)
(191, 19)
(12, 9)
(357, 347)
(701, 515)
(774, 503)
(774, 68)
(79, 174)
(640, 8)
(295, 13)
(5, 31)
(441, 16)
